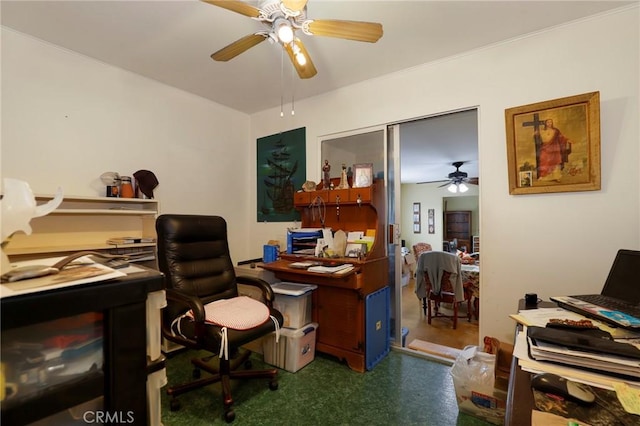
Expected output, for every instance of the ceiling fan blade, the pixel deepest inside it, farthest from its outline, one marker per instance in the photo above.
(294, 5)
(307, 70)
(473, 181)
(350, 30)
(237, 47)
(236, 6)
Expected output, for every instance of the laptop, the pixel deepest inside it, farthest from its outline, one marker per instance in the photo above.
(619, 302)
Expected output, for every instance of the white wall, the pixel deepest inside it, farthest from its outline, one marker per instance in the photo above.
(66, 119)
(549, 244)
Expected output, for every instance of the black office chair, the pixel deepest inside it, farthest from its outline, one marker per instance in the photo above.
(193, 253)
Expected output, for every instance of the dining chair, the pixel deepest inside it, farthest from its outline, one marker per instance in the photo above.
(443, 269)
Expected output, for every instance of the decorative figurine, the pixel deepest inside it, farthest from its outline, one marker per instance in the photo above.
(18, 208)
(326, 179)
(344, 184)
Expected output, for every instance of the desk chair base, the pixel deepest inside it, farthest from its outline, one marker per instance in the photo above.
(224, 374)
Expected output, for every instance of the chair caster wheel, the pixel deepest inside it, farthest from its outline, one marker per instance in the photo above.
(174, 404)
(273, 385)
(229, 416)
(196, 373)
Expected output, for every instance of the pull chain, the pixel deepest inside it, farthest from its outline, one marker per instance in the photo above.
(338, 208)
(293, 78)
(282, 83)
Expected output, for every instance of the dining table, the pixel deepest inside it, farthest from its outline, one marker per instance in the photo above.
(471, 284)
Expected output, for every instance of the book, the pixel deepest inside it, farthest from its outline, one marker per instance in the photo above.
(130, 240)
(330, 269)
(303, 265)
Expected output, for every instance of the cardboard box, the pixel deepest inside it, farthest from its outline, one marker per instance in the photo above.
(488, 407)
(294, 350)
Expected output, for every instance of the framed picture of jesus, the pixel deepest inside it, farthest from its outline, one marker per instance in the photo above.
(554, 146)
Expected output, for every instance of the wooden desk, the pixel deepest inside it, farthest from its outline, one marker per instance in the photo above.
(339, 305)
(519, 395)
(339, 302)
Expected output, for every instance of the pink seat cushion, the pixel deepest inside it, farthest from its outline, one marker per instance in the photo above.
(238, 313)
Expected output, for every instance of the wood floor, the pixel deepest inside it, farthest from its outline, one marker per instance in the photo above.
(441, 330)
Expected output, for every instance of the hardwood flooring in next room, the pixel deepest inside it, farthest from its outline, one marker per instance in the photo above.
(440, 331)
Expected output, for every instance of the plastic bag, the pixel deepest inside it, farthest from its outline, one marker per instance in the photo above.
(473, 370)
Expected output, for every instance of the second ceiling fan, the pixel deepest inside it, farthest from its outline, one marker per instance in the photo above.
(282, 18)
(457, 179)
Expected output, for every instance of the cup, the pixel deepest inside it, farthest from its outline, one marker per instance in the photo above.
(269, 253)
(112, 191)
(126, 187)
(531, 300)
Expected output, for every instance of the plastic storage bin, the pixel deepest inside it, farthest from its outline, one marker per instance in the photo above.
(294, 350)
(155, 302)
(293, 300)
(155, 381)
(377, 329)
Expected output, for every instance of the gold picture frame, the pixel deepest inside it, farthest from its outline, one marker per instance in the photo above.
(543, 158)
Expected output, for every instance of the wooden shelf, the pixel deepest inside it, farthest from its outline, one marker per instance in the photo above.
(85, 223)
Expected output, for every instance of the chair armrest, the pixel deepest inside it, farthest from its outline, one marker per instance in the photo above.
(265, 287)
(191, 302)
(197, 308)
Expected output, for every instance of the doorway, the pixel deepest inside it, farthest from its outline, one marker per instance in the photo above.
(431, 145)
(404, 151)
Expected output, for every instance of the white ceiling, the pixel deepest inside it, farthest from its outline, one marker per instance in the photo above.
(171, 41)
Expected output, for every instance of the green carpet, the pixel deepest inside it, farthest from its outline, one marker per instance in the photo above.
(401, 390)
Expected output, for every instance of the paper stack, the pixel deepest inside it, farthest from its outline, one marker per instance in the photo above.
(581, 351)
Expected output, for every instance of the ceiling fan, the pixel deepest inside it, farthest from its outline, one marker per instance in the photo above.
(457, 180)
(282, 18)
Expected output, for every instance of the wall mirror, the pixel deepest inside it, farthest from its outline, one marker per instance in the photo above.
(354, 149)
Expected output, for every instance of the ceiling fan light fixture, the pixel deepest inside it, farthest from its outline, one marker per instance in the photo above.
(463, 188)
(452, 188)
(283, 30)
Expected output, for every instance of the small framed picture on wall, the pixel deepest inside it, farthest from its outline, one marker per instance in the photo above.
(431, 221)
(416, 218)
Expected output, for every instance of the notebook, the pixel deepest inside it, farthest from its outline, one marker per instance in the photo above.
(618, 303)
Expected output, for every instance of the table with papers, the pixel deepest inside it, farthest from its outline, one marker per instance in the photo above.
(567, 362)
(520, 412)
(471, 284)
